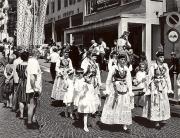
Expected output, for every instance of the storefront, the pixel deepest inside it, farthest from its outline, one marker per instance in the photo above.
(140, 17)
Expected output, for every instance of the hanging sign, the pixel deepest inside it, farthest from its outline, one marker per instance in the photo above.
(173, 35)
(173, 19)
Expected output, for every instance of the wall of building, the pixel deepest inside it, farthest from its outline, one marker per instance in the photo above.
(64, 12)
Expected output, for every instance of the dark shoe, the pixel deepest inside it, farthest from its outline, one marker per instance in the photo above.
(32, 126)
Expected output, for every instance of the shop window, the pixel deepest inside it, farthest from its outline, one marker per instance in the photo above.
(52, 6)
(59, 5)
(72, 2)
(65, 3)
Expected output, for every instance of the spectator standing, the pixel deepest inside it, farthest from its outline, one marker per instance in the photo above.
(54, 56)
(102, 50)
(16, 62)
(8, 90)
(21, 88)
(3, 62)
(33, 88)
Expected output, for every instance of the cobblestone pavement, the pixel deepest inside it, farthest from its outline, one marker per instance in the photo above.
(55, 125)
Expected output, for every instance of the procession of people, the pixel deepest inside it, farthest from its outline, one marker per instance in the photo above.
(80, 88)
(78, 84)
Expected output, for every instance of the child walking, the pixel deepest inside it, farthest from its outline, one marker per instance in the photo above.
(78, 88)
(69, 94)
(8, 73)
(87, 104)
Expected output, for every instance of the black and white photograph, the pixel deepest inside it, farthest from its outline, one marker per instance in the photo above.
(89, 68)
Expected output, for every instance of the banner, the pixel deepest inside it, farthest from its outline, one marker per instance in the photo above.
(39, 22)
(30, 22)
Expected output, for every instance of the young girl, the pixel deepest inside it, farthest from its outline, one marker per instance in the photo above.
(140, 81)
(8, 73)
(69, 94)
(78, 88)
(87, 103)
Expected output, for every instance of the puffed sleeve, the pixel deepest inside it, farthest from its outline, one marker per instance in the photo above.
(109, 81)
(84, 65)
(150, 79)
(58, 65)
(178, 81)
(129, 82)
(110, 64)
(70, 64)
(168, 79)
(98, 75)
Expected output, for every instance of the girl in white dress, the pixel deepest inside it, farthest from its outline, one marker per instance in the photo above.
(63, 65)
(69, 94)
(91, 67)
(157, 107)
(140, 82)
(87, 103)
(118, 104)
(78, 88)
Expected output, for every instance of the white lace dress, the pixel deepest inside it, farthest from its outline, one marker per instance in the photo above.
(117, 109)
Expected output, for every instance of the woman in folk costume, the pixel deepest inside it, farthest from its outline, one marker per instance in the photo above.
(157, 109)
(92, 67)
(63, 65)
(118, 105)
(78, 88)
(69, 93)
(87, 104)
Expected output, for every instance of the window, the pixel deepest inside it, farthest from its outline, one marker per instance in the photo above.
(78, 0)
(72, 2)
(89, 7)
(52, 6)
(59, 5)
(65, 3)
(47, 10)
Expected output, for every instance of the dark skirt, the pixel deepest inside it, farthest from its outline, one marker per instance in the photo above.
(8, 90)
(21, 91)
(2, 83)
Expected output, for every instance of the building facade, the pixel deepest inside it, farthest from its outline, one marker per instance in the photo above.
(62, 14)
(109, 19)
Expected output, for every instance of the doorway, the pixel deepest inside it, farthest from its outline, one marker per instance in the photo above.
(135, 37)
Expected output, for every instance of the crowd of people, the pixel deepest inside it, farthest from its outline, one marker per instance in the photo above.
(77, 82)
(20, 84)
(79, 87)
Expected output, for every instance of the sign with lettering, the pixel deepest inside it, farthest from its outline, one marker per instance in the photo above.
(104, 4)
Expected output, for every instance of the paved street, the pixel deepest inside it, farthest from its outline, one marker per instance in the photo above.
(55, 125)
